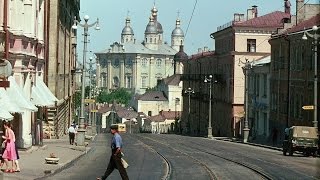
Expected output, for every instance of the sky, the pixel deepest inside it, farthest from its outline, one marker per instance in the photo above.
(207, 16)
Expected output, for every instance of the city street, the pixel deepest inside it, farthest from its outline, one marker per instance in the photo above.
(154, 156)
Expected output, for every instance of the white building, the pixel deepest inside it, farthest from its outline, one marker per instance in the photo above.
(137, 66)
(259, 98)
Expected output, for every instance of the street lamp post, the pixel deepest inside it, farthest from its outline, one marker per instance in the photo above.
(189, 91)
(90, 96)
(177, 115)
(247, 66)
(86, 26)
(315, 37)
(209, 80)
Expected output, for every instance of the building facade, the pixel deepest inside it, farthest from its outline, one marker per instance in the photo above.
(137, 66)
(22, 43)
(259, 99)
(242, 40)
(292, 71)
(61, 56)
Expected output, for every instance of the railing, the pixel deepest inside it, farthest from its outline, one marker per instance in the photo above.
(219, 28)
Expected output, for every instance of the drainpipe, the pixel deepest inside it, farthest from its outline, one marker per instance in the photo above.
(46, 50)
(286, 38)
(5, 28)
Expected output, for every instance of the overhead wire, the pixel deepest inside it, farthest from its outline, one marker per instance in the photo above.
(194, 7)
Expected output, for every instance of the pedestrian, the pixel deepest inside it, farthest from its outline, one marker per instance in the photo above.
(9, 153)
(72, 132)
(115, 159)
(16, 162)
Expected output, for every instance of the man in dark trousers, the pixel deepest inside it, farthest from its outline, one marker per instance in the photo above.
(115, 159)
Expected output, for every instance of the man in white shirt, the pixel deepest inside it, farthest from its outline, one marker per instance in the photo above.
(72, 132)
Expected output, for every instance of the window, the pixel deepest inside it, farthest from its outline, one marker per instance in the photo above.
(158, 63)
(251, 45)
(144, 62)
(265, 123)
(115, 82)
(257, 87)
(128, 62)
(265, 85)
(116, 62)
(143, 81)
(128, 81)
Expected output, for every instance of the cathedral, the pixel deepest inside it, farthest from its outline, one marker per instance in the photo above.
(137, 66)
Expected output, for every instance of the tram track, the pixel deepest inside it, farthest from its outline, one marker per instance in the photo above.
(168, 166)
(254, 169)
(210, 173)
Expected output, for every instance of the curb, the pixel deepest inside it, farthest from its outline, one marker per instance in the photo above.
(67, 164)
(248, 143)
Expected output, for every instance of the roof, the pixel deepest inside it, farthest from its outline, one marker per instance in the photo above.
(104, 108)
(307, 24)
(139, 48)
(181, 55)
(262, 60)
(164, 115)
(202, 54)
(156, 118)
(272, 20)
(173, 80)
(127, 114)
(170, 114)
(152, 96)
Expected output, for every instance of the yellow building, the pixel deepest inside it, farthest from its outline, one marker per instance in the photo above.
(241, 40)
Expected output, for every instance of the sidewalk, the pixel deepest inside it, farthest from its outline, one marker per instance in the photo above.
(32, 161)
(235, 140)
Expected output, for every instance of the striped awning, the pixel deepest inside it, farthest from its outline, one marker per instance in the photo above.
(7, 103)
(17, 95)
(41, 95)
(5, 115)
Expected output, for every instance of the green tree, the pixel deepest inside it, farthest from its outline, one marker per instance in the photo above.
(77, 99)
(86, 92)
(120, 95)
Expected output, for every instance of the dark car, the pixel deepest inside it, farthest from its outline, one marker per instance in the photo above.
(302, 139)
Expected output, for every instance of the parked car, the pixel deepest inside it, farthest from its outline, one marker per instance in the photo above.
(302, 139)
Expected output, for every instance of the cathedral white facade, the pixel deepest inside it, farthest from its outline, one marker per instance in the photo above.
(137, 66)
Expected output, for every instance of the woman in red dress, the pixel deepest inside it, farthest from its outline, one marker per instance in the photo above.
(9, 153)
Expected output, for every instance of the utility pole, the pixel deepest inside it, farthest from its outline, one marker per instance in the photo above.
(247, 66)
(209, 80)
(189, 91)
(86, 26)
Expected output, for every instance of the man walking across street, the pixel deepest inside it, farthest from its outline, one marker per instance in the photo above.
(72, 132)
(115, 159)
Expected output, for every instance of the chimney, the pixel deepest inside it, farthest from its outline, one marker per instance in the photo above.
(300, 10)
(237, 17)
(255, 11)
(287, 6)
(199, 50)
(252, 13)
(205, 49)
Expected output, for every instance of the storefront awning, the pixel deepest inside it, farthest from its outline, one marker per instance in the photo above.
(41, 95)
(46, 89)
(7, 103)
(17, 95)
(5, 115)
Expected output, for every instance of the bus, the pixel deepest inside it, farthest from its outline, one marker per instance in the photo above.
(121, 127)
